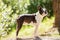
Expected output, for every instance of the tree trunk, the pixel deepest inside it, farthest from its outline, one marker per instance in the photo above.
(56, 10)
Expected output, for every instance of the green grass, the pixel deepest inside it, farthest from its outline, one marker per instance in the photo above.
(28, 30)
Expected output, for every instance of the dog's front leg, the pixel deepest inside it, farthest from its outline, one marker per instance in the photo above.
(36, 29)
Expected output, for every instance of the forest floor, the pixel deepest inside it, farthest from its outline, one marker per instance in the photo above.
(37, 38)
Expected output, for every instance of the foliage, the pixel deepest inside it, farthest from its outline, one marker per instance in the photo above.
(10, 9)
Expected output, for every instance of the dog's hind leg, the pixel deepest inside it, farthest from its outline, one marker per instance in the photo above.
(19, 26)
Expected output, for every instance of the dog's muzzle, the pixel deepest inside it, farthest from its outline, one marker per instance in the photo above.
(47, 15)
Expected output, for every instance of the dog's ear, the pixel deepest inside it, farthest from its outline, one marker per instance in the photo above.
(39, 7)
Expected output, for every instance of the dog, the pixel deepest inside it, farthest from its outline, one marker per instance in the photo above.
(35, 18)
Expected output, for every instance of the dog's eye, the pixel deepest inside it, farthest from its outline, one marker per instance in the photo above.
(45, 12)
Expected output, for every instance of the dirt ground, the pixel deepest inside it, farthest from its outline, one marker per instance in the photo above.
(37, 38)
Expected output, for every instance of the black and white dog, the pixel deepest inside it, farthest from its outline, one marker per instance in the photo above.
(35, 18)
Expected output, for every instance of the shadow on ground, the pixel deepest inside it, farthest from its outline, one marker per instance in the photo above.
(36, 38)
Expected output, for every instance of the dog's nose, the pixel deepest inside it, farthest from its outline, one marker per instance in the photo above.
(48, 15)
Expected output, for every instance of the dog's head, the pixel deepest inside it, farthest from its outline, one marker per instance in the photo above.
(42, 11)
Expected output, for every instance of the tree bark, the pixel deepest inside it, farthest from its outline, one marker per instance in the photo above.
(56, 10)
